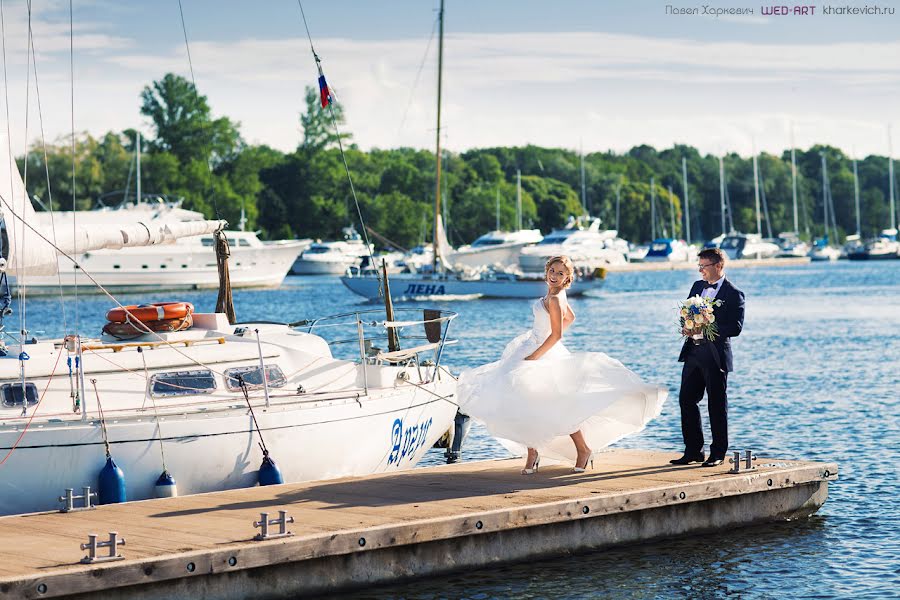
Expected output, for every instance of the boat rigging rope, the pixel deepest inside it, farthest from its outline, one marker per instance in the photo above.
(102, 419)
(37, 93)
(412, 91)
(72, 126)
(262, 442)
(162, 450)
(343, 156)
(197, 93)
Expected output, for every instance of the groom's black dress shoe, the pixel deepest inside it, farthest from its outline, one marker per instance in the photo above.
(688, 459)
(713, 461)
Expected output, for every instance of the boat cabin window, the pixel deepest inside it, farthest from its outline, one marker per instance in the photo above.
(252, 377)
(243, 243)
(12, 394)
(207, 242)
(183, 383)
(659, 247)
(488, 242)
(553, 239)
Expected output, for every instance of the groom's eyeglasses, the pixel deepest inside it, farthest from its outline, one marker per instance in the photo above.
(706, 266)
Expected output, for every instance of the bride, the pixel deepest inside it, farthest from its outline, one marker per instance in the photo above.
(539, 394)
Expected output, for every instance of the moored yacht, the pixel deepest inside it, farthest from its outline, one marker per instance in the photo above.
(669, 250)
(494, 248)
(332, 258)
(883, 247)
(790, 246)
(750, 245)
(822, 251)
(589, 248)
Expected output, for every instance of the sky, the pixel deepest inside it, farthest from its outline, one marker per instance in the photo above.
(596, 75)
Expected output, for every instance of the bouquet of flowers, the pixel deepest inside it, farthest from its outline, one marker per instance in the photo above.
(697, 318)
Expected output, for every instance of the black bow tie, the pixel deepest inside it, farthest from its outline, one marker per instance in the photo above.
(710, 285)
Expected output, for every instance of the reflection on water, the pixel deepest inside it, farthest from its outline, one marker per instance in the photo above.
(817, 377)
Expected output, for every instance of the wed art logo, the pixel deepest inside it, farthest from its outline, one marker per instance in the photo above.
(781, 10)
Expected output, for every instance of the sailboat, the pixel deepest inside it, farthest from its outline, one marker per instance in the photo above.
(886, 245)
(208, 404)
(822, 250)
(442, 281)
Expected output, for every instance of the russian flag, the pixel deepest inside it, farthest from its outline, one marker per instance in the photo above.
(324, 93)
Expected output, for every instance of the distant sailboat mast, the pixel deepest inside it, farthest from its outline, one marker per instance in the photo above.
(687, 205)
(722, 192)
(497, 228)
(794, 181)
(756, 194)
(652, 209)
(672, 210)
(891, 179)
(436, 260)
(137, 150)
(856, 196)
(518, 200)
(584, 205)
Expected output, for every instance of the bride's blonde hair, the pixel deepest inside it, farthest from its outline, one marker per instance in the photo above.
(567, 265)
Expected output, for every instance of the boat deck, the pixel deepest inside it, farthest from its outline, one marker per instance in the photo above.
(381, 528)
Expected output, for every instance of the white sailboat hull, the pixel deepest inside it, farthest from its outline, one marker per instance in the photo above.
(420, 287)
(211, 452)
(336, 266)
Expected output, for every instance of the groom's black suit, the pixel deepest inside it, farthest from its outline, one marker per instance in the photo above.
(706, 368)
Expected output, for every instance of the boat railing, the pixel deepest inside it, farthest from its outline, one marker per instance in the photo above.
(377, 340)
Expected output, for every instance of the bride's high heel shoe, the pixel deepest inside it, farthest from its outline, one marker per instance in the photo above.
(590, 460)
(534, 466)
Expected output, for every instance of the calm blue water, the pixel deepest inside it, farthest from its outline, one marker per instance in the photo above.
(817, 377)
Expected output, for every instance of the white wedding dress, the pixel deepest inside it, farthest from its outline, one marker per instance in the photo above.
(539, 403)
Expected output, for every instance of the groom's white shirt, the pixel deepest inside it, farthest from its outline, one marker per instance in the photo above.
(711, 292)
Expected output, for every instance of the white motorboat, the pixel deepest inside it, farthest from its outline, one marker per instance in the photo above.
(744, 246)
(210, 404)
(496, 248)
(187, 263)
(669, 250)
(332, 258)
(884, 247)
(791, 246)
(589, 248)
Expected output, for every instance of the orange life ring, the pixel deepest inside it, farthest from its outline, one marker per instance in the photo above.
(146, 313)
(123, 331)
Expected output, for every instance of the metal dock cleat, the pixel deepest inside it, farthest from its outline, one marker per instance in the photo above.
(748, 459)
(265, 521)
(69, 499)
(93, 545)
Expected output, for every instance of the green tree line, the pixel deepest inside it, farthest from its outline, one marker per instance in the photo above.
(203, 160)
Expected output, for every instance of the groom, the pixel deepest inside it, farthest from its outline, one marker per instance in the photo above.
(706, 366)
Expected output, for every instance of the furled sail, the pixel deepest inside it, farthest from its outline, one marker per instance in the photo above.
(26, 251)
(29, 248)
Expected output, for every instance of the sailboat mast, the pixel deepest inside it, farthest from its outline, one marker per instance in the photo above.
(856, 196)
(137, 154)
(652, 209)
(756, 194)
(722, 192)
(584, 205)
(687, 204)
(672, 211)
(794, 181)
(518, 200)
(825, 191)
(437, 187)
(497, 228)
(618, 200)
(891, 179)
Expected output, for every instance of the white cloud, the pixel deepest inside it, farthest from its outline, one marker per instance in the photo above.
(554, 89)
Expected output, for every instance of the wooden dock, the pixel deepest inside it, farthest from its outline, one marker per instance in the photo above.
(692, 265)
(388, 527)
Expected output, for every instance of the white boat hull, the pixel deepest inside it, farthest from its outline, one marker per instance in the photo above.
(218, 451)
(419, 287)
(304, 266)
(474, 258)
(169, 267)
